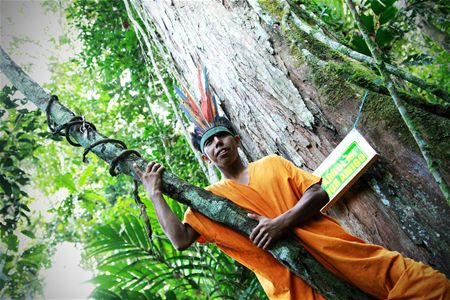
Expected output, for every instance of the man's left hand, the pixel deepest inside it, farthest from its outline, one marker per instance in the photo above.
(267, 231)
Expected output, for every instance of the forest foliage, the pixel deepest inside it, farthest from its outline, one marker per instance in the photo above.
(109, 83)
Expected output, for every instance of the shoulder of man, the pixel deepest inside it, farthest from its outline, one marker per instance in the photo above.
(215, 186)
(270, 158)
(275, 160)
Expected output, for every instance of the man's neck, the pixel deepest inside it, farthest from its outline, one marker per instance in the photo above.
(235, 171)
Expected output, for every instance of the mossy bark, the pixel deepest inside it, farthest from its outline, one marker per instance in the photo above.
(365, 79)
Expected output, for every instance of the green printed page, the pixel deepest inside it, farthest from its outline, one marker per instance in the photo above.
(338, 174)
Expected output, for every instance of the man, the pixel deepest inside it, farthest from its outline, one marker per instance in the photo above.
(284, 200)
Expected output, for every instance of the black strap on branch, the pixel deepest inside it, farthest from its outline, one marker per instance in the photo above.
(84, 127)
(88, 127)
(104, 141)
(123, 155)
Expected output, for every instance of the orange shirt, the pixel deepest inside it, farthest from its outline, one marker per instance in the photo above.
(275, 186)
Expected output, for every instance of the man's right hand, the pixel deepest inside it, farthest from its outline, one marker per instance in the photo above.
(181, 235)
(151, 178)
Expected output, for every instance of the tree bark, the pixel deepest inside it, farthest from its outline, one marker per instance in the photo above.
(287, 250)
(277, 107)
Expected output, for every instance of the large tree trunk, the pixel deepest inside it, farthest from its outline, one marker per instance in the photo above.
(280, 105)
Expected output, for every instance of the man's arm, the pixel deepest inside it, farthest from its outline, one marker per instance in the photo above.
(181, 235)
(269, 230)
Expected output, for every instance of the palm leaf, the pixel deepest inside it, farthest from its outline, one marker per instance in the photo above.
(140, 232)
(103, 294)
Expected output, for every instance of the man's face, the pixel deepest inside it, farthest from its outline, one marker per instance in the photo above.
(221, 148)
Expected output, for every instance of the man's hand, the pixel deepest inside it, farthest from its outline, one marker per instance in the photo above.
(151, 178)
(181, 235)
(269, 230)
(266, 232)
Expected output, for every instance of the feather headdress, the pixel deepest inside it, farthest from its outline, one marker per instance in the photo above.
(206, 118)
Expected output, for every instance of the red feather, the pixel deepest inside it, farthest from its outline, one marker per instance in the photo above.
(192, 106)
(190, 101)
(206, 99)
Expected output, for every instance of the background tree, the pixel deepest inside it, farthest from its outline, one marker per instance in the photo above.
(20, 263)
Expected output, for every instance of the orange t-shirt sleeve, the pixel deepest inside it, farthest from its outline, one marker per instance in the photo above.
(302, 179)
(192, 220)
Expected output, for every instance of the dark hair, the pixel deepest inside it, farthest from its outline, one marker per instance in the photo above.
(196, 136)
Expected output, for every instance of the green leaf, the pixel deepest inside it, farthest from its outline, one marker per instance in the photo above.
(367, 20)
(104, 294)
(35, 250)
(12, 242)
(5, 185)
(18, 118)
(129, 230)
(176, 208)
(360, 45)
(141, 233)
(67, 182)
(29, 264)
(106, 281)
(388, 14)
(23, 111)
(379, 6)
(123, 256)
(85, 175)
(24, 207)
(88, 206)
(109, 232)
(94, 197)
(109, 268)
(7, 101)
(384, 37)
(170, 295)
(135, 295)
(111, 246)
(28, 233)
(7, 161)
(22, 213)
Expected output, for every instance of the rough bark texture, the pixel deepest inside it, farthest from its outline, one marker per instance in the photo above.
(217, 208)
(280, 105)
